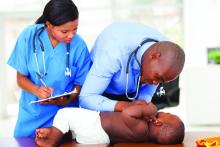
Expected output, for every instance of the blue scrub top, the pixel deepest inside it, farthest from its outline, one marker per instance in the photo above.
(110, 55)
(32, 116)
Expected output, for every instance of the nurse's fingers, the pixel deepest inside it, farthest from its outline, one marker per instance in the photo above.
(43, 92)
(50, 90)
(45, 102)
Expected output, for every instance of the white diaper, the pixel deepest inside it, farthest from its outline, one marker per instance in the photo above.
(84, 124)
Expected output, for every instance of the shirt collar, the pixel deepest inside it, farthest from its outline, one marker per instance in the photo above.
(140, 53)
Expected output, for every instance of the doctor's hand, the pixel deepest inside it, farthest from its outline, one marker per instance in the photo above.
(43, 92)
(150, 112)
(121, 105)
(140, 102)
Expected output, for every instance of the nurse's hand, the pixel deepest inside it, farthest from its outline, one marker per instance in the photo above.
(61, 101)
(43, 92)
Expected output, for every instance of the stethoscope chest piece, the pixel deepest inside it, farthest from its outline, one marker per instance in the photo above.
(68, 72)
(161, 91)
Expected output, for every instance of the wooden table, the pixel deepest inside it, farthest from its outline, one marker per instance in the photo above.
(189, 141)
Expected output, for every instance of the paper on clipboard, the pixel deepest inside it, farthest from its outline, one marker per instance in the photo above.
(54, 97)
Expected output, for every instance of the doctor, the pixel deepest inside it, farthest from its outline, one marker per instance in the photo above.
(129, 61)
(50, 59)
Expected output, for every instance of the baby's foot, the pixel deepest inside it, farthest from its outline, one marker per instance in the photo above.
(48, 137)
(43, 132)
(44, 142)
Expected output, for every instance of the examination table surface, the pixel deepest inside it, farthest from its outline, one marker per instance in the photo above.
(189, 141)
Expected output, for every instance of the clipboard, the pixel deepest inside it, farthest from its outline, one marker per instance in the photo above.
(54, 97)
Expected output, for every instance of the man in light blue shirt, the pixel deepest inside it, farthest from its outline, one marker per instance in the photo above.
(105, 85)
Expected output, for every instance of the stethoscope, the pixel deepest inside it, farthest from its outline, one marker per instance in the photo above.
(160, 91)
(39, 74)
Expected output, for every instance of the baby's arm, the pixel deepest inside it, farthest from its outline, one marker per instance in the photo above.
(143, 111)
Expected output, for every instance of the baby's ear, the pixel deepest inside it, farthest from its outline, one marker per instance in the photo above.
(157, 123)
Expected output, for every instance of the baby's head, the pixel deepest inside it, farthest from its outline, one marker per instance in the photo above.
(167, 129)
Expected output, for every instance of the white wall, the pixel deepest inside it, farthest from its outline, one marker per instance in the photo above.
(94, 16)
(11, 25)
(2, 72)
(201, 81)
(201, 29)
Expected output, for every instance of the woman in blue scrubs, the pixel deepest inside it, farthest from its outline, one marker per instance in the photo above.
(54, 70)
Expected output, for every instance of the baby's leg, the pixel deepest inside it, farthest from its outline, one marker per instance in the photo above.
(48, 137)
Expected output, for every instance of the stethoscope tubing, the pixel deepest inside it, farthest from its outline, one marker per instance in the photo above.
(139, 64)
(39, 74)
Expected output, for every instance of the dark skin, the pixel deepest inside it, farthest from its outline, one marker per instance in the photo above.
(161, 63)
(137, 123)
(130, 125)
(45, 92)
(62, 33)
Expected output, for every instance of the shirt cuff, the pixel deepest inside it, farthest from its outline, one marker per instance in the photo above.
(107, 105)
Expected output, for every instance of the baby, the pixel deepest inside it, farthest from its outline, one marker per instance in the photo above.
(137, 123)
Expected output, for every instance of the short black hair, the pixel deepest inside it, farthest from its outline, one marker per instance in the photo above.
(59, 12)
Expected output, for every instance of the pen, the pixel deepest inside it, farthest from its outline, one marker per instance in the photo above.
(42, 81)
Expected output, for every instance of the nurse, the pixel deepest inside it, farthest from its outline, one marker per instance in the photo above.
(50, 59)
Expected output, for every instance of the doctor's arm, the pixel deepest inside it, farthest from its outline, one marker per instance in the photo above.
(40, 91)
(91, 95)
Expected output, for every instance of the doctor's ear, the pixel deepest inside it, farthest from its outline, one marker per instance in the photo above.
(155, 55)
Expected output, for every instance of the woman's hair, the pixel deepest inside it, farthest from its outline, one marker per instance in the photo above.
(59, 12)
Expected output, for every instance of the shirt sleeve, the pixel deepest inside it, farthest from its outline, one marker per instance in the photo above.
(83, 66)
(96, 83)
(147, 92)
(18, 57)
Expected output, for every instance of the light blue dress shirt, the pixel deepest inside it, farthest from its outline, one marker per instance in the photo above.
(108, 73)
(33, 116)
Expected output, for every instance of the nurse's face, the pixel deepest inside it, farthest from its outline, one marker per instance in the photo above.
(63, 33)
